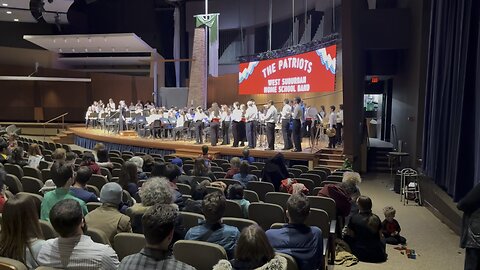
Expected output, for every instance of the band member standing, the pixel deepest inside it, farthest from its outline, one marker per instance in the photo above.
(286, 131)
(252, 118)
(180, 125)
(332, 121)
(198, 120)
(111, 105)
(297, 115)
(122, 108)
(310, 115)
(270, 120)
(214, 123)
(226, 119)
(242, 136)
(236, 119)
(339, 124)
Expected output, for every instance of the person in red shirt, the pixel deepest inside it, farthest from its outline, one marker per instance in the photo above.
(89, 161)
(3, 198)
(391, 227)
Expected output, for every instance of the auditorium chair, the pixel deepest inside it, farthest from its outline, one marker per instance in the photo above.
(303, 168)
(309, 184)
(329, 182)
(296, 172)
(47, 230)
(277, 225)
(206, 255)
(211, 189)
(97, 180)
(32, 172)
(116, 172)
(261, 188)
(31, 184)
(98, 236)
(265, 214)
(46, 268)
(14, 185)
(317, 180)
(128, 243)
(118, 160)
(46, 175)
(250, 196)
(240, 223)
(335, 178)
(329, 206)
(278, 198)
(14, 169)
(44, 165)
(93, 189)
(233, 209)
(252, 168)
(216, 169)
(36, 198)
(78, 152)
(259, 165)
(221, 161)
(190, 220)
(220, 175)
(169, 158)
(316, 190)
(93, 205)
(322, 174)
(225, 166)
(10, 264)
(291, 263)
(127, 156)
(113, 155)
(106, 172)
(338, 173)
(184, 189)
(320, 219)
(187, 168)
(257, 173)
(228, 182)
(323, 168)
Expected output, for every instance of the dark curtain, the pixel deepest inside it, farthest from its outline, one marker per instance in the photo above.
(451, 149)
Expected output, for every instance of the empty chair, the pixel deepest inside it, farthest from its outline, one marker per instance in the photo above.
(14, 169)
(216, 169)
(221, 161)
(46, 175)
(184, 189)
(211, 189)
(307, 183)
(116, 152)
(36, 198)
(47, 230)
(225, 166)
(190, 220)
(116, 172)
(32, 185)
(113, 155)
(97, 180)
(229, 182)
(339, 173)
(259, 165)
(316, 190)
(320, 219)
(93, 205)
(187, 168)
(240, 223)
(257, 173)
(44, 165)
(219, 175)
(117, 160)
(303, 168)
(322, 174)
(32, 172)
(233, 209)
(98, 236)
(93, 189)
(205, 255)
(252, 167)
(335, 178)
(14, 185)
(265, 214)
(106, 172)
(250, 196)
(278, 198)
(329, 183)
(291, 263)
(322, 168)
(126, 157)
(295, 172)
(128, 243)
(317, 180)
(261, 188)
(327, 204)
(10, 264)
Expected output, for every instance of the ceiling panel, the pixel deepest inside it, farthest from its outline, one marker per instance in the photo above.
(20, 9)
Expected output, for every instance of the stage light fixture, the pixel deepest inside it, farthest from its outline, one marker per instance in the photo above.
(9, 12)
(16, 20)
(5, 4)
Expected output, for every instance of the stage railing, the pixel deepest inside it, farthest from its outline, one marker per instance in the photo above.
(62, 116)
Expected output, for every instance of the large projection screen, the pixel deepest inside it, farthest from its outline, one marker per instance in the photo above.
(312, 71)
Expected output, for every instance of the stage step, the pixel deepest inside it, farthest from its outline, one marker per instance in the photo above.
(377, 160)
(334, 151)
(331, 156)
(64, 137)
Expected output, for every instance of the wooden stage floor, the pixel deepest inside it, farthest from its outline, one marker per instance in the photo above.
(224, 150)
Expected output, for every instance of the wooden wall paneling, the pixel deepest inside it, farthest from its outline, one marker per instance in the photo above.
(17, 101)
(144, 87)
(117, 87)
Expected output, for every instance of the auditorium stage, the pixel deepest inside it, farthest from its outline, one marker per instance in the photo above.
(88, 137)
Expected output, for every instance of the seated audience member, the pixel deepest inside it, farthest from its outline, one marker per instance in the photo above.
(70, 158)
(21, 236)
(34, 155)
(107, 217)
(72, 249)
(138, 161)
(17, 157)
(4, 153)
(391, 227)
(103, 160)
(344, 194)
(172, 172)
(79, 188)
(128, 179)
(205, 155)
(212, 230)
(12, 142)
(198, 194)
(243, 176)
(62, 176)
(158, 169)
(96, 148)
(351, 181)
(179, 162)
(155, 191)
(59, 155)
(234, 167)
(3, 189)
(253, 251)
(235, 193)
(89, 160)
(158, 227)
(246, 156)
(364, 233)
(147, 163)
(302, 242)
(275, 171)
(200, 169)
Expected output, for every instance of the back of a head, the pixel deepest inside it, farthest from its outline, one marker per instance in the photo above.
(332, 108)
(59, 154)
(235, 162)
(70, 157)
(205, 149)
(65, 217)
(128, 174)
(286, 101)
(158, 223)
(199, 192)
(19, 225)
(364, 203)
(158, 169)
(213, 206)
(246, 152)
(3, 145)
(17, 154)
(83, 175)
(244, 168)
(172, 172)
(61, 173)
(199, 167)
(98, 146)
(34, 150)
(138, 161)
(88, 158)
(253, 246)
(235, 192)
(298, 100)
(111, 193)
(298, 208)
(102, 155)
(352, 177)
(156, 190)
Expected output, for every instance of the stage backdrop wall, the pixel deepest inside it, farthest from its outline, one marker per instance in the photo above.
(21, 98)
(173, 96)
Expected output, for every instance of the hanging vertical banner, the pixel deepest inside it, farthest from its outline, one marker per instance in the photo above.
(211, 22)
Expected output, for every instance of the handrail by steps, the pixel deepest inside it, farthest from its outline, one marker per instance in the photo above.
(51, 120)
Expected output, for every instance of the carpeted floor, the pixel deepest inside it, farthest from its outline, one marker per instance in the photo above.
(437, 246)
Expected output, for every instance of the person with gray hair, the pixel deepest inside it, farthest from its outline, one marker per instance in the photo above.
(234, 167)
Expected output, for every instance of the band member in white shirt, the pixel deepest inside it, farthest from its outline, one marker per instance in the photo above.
(198, 121)
(180, 125)
(226, 119)
(339, 124)
(310, 115)
(332, 122)
(214, 123)
(236, 119)
(297, 116)
(286, 116)
(251, 116)
(270, 120)
(111, 105)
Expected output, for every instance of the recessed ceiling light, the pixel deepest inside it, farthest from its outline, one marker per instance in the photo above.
(9, 12)
(15, 20)
(5, 4)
